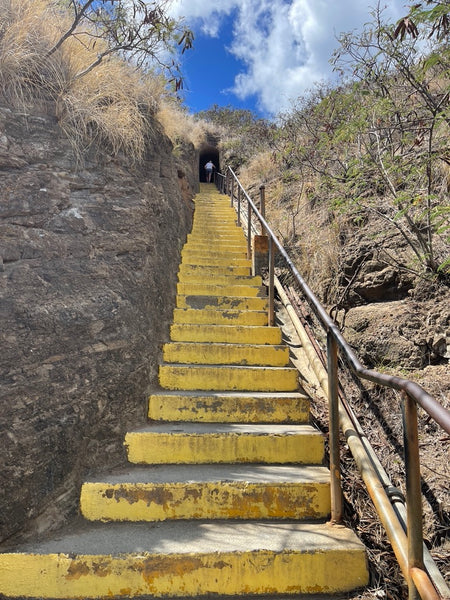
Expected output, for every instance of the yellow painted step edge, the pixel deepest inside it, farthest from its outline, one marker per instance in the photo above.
(208, 353)
(205, 500)
(220, 317)
(178, 448)
(246, 378)
(233, 408)
(235, 334)
(143, 574)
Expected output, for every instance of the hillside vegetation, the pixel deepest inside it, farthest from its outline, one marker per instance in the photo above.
(107, 70)
(357, 180)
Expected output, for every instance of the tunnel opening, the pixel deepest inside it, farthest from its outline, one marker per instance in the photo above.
(207, 153)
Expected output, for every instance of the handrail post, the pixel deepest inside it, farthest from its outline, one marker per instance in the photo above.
(413, 491)
(239, 206)
(271, 311)
(232, 191)
(333, 409)
(249, 231)
(262, 197)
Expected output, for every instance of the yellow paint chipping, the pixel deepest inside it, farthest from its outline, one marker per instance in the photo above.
(229, 409)
(257, 572)
(200, 377)
(306, 447)
(205, 500)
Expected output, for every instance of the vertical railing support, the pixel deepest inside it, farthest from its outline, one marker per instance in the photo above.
(262, 205)
(333, 409)
(271, 312)
(239, 206)
(249, 231)
(232, 191)
(413, 491)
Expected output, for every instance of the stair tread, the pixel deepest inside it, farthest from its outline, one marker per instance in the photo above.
(226, 428)
(229, 394)
(187, 537)
(217, 473)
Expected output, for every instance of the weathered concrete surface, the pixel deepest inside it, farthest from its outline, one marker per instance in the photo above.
(86, 255)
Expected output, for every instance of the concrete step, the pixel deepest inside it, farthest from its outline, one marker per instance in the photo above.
(218, 316)
(217, 244)
(200, 443)
(224, 248)
(213, 233)
(170, 559)
(215, 258)
(209, 492)
(228, 334)
(207, 230)
(229, 407)
(211, 289)
(225, 354)
(219, 280)
(222, 302)
(210, 270)
(228, 377)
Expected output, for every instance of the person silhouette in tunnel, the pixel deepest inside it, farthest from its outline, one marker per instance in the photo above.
(209, 167)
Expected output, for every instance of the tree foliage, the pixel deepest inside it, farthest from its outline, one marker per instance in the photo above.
(379, 141)
(142, 32)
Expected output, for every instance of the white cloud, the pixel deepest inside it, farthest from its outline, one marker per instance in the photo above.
(285, 45)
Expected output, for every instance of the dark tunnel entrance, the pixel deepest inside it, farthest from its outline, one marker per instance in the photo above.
(207, 153)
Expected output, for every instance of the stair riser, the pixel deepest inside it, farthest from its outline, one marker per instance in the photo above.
(192, 289)
(228, 410)
(207, 259)
(219, 280)
(205, 235)
(225, 333)
(159, 575)
(216, 245)
(208, 500)
(211, 271)
(230, 257)
(197, 377)
(220, 317)
(222, 302)
(161, 448)
(226, 354)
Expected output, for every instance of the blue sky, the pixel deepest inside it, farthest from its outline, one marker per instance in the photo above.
(210, 69)
(262, 54)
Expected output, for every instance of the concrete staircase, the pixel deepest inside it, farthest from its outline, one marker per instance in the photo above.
(226, 493)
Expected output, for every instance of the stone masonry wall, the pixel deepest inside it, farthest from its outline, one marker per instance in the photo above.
(88, 262)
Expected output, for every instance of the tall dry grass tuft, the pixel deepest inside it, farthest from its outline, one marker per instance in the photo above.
(180, 126)
(97, 110)
(110, 105)
(27, 74)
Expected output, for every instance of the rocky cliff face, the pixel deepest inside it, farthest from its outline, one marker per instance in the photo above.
(88, 261)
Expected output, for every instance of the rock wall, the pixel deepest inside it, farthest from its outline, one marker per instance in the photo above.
(88, 262)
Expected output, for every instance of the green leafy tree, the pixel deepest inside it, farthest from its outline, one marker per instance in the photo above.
(379, 142)
(406, 129)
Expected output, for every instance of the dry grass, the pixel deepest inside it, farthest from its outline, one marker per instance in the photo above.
(305, 228)
(180, 126)
(110, 105)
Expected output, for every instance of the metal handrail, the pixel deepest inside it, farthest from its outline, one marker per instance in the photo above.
(410, 558)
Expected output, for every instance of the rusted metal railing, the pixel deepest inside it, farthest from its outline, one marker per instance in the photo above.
(408, 546)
